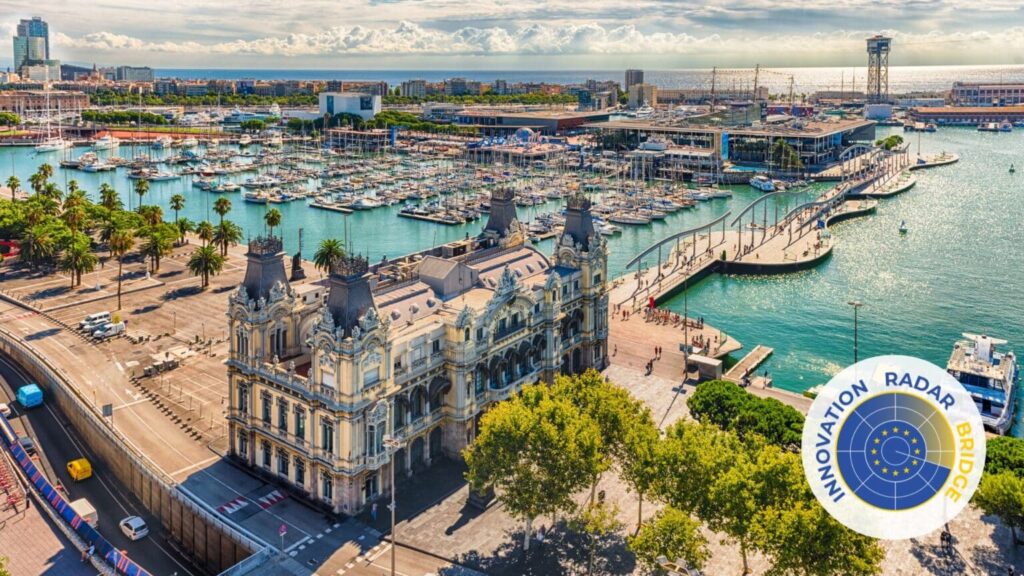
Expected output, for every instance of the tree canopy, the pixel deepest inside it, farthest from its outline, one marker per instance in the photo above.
(730, 407)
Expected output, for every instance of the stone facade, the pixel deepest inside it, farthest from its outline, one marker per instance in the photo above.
(414, 349)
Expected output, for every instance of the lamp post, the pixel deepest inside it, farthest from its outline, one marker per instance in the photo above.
(856, 305)
(392, 443)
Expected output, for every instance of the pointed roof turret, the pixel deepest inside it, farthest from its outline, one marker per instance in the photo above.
(503, 211)
(349, 295)
(264, 267)
(579, 224)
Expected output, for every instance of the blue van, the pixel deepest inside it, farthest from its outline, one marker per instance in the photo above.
(30, 396)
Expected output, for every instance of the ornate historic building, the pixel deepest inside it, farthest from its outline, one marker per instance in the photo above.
(415, 349)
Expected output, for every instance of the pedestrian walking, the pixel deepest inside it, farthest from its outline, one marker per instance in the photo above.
(373, 511)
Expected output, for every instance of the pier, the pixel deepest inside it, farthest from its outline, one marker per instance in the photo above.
(745, 367)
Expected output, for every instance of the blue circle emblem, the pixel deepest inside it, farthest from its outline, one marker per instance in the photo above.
(895, 451)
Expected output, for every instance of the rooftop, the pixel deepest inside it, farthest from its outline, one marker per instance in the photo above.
(795, 127)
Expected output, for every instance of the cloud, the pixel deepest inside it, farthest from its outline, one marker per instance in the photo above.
(407, 38)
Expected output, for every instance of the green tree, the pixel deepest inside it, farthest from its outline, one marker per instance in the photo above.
(1002, 495)
(804, 540)
(109, 198)
(14, 184)
(730, 407)
(9, 119)
(151, 215)
(157, 242)
(177, 204)
(205, 262)
(184, 226)
(272, 219)
(671, 534)
(40, 244)
(537, 451)
(329, 252)
(227, 234)
(141, 188)
(252, 125)
(121, 241)
(1005, 454)
(205, 231)
(41, 177)
(222, 206)
(597, 520)
(4, 571)
(77, 258)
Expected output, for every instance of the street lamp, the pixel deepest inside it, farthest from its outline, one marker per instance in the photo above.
(392, 443)
(856, 305)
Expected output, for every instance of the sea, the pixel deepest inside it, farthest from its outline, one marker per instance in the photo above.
(959, 269)
(902, 79)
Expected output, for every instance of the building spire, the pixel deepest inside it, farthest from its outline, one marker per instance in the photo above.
(579, 224)
(503, 211)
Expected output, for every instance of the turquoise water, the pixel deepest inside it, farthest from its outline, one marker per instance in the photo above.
(959, 269)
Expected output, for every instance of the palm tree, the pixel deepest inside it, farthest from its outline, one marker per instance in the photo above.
(205, 231)
(156, 244)
(222, 206)
(184, 226)
(109, 197)
(74, 217)
(328, 253)
(46, 170)
(38, 245)
(226, 234)
(77, 258)
(205, 261)
(37, 181)
(51, 191)
(272, 218)
(152, 215)
(14, 184)
(121, 241)
(141, 187)
(177, 204)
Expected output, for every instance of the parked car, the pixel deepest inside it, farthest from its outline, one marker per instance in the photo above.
(94, 321)
(109, 329)
(134, 528)
(28, 445)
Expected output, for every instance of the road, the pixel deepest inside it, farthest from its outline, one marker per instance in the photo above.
(57, 444)
(408, 562)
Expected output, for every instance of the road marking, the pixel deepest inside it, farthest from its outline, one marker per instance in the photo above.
(193, 466)
(271, 499)
(233, 506)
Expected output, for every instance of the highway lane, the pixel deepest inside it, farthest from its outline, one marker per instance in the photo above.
(58, 443)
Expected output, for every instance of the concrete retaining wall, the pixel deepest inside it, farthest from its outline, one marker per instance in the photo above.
(212, 545)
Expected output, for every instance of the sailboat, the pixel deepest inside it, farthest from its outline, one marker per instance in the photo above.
(903, 227)
(51, 143)
(1012, 169)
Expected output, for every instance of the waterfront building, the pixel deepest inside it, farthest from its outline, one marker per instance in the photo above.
(817, 142)
(365, 106)
(25, 101)
(494, 121)
(416, 348)
(633, 77)
(133, 74)
(967, 115)
(361, 140)
(987, 94)
(641, 94)
(413, 89)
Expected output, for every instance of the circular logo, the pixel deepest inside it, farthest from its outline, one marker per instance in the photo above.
(893, 447)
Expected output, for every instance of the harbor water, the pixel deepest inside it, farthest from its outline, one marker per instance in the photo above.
(959, 269)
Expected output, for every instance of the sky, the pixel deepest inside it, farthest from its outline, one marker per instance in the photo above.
(520, 34)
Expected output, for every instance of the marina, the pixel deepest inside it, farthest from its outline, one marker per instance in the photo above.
(741, 306)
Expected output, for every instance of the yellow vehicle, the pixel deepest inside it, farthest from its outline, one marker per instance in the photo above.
(79, 469)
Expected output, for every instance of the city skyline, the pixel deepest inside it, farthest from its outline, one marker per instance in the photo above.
(437, 34)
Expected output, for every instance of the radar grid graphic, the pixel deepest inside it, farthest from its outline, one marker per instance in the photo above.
(895, 451)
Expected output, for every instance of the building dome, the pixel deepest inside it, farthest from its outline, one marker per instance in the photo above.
(525, 135)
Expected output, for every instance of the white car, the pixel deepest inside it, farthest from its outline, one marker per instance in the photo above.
(134, 528)
(5, 410)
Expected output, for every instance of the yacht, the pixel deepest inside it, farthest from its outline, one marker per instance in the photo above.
(275, 141)
(189, 142)
(245, 140)
(163, 142)
(255, 197)
(1005, 126)
(107, 142)
(763, 183)
(989, 376)
(644, 111)
(53, 145)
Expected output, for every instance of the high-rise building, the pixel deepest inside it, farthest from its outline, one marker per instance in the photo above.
(640, 94)
(634, 76)
(36, 28)
(32, 47)
(134, 74)
(413, 89)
